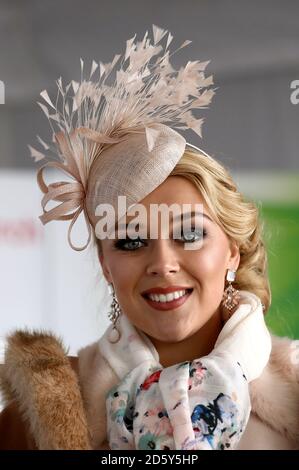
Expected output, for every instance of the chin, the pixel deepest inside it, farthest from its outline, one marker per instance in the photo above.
(172, 337)
(179, 334)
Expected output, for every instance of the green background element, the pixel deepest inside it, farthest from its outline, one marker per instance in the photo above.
(281, 236)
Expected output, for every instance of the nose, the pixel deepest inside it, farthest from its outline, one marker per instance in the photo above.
(163, 259)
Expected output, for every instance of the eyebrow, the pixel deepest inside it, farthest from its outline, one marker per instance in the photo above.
(185, 215)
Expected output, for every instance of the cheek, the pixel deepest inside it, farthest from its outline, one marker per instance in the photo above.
(125, 273)
(119, 272)
(209, 264)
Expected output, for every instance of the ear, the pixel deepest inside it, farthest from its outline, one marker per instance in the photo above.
(234, 259)
(105, 268)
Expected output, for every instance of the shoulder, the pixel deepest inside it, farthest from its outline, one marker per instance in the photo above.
(52, 400)
(14, 431)
(275, 394)
(285, 357)
(41, 391)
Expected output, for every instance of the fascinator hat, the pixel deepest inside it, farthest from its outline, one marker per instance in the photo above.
(117, 132)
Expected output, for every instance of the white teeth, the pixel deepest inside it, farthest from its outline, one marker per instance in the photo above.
(168, 297)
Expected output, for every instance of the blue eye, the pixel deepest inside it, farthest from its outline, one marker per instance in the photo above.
(192, 236)
(129, 244)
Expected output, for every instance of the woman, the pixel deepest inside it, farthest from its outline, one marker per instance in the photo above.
(188, 362)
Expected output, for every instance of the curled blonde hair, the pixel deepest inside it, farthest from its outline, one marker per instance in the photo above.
(238, 218)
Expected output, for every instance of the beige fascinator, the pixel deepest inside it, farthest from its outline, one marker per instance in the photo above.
(114, 133)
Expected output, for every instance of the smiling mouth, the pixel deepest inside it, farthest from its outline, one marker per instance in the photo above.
(168, 301)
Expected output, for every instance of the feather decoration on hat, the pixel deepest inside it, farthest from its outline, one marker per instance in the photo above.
(91, 115)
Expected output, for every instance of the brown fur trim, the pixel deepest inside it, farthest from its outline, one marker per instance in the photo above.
(38, 375)
(5, 389)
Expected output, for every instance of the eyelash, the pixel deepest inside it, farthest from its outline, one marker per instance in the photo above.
(120, 244)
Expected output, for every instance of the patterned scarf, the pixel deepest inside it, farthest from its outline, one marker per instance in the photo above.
(199, 404)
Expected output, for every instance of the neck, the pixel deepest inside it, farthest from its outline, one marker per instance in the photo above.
(198, 345)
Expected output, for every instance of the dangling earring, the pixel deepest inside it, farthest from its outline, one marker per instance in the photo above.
(113, 316)
(231, 295)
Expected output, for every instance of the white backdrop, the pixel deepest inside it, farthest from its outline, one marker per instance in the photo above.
(43, 282)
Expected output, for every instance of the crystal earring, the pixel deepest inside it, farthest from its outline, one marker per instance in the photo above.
(113, 315)
(231, 295)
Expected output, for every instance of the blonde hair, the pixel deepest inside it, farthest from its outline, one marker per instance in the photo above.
(238, 218)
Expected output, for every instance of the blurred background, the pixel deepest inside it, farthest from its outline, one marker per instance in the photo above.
(251, 127)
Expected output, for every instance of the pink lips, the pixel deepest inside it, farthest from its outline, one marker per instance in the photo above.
(167, 305)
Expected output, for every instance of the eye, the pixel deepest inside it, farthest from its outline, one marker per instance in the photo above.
(129, 244)
(192, 235)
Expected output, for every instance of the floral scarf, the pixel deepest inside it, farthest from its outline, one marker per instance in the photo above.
(199, 404)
